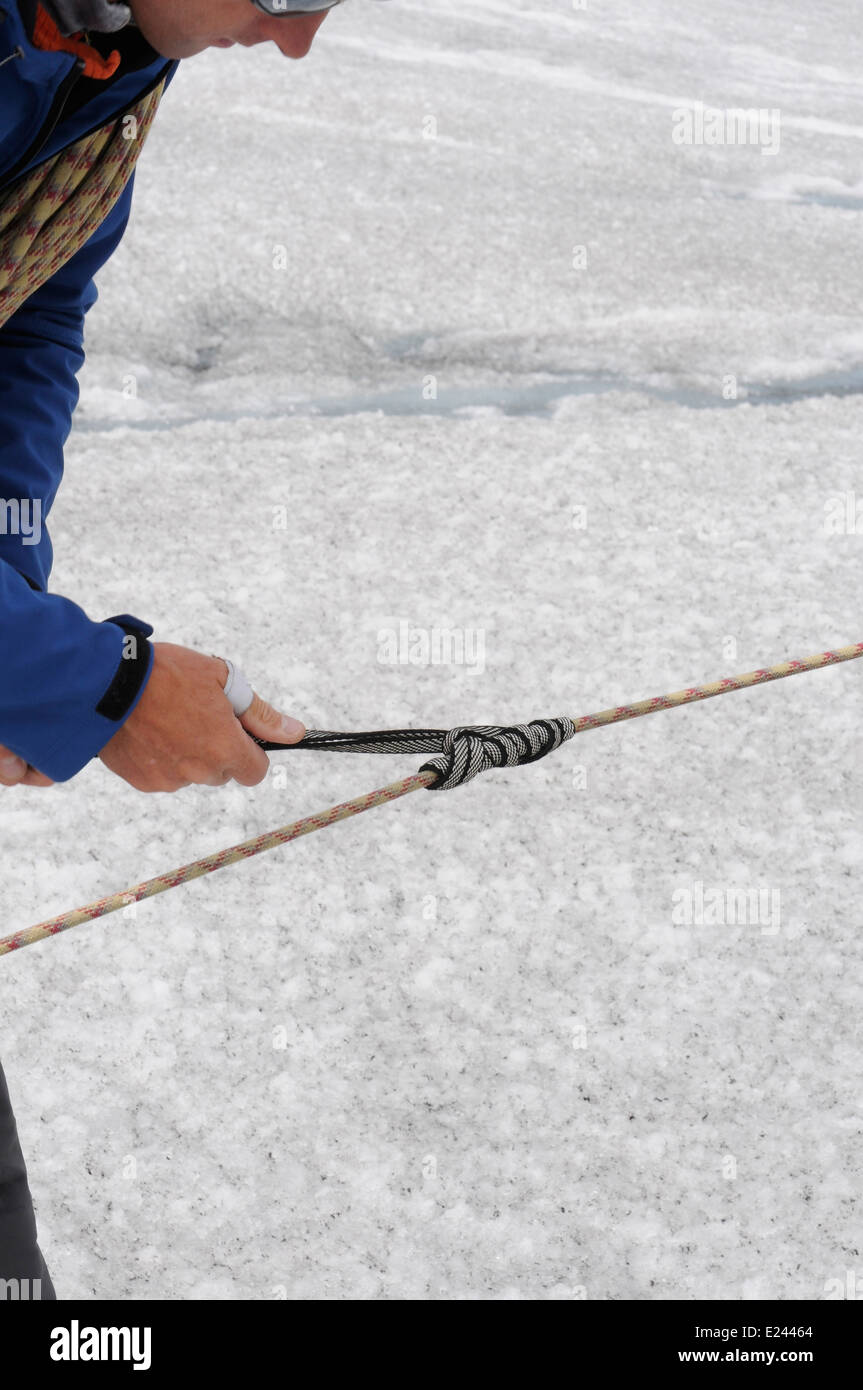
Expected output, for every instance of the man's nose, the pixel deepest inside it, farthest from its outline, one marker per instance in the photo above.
(295, 36)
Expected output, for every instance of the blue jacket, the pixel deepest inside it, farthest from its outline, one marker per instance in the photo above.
(67, 681)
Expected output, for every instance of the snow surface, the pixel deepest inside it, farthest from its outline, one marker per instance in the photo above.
(460, 1048)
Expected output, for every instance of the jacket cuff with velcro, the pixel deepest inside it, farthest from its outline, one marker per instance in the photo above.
(132, 670)
(68, 688)
(128, 661)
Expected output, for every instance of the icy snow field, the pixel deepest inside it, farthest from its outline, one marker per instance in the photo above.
(461, 1047)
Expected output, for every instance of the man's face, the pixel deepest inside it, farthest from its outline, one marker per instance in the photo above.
(181, 28)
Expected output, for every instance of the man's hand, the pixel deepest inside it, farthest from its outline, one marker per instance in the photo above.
(182, 730)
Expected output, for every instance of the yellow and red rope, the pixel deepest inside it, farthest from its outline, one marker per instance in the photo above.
(222, 858)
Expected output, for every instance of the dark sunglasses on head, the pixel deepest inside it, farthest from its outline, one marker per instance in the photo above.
(278, 8)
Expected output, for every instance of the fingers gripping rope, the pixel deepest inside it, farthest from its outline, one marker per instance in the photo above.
(469, 751)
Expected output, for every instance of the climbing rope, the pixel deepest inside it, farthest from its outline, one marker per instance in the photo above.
(52, 211)
(463, 753)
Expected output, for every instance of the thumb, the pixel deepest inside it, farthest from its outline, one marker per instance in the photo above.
(267, 723)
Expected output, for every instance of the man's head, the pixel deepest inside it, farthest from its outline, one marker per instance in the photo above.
(180, 30)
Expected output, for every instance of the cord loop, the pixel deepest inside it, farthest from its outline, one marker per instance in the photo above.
(467, 751)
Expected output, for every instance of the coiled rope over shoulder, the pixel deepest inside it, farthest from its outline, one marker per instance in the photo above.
(463, 751)
(49, 213)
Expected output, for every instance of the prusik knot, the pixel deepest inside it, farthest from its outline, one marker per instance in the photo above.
(468, 751)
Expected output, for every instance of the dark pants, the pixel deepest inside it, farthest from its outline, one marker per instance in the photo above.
(20, 1257)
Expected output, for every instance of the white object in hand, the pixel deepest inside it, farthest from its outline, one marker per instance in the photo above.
(237, 689)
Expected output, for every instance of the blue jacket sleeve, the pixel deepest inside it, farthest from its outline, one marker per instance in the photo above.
(67, 683)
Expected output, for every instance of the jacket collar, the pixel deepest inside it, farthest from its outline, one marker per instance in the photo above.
(48, 36)
(71, 16)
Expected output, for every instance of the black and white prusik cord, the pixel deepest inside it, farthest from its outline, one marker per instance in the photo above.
(462, 752)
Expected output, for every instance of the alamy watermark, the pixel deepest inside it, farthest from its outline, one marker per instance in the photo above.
(843, 515)
(709, 125)
(20, 1290)
(21, 516)
(77, 1343)
(849, 1287)
(724, 906)
(402, 644)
